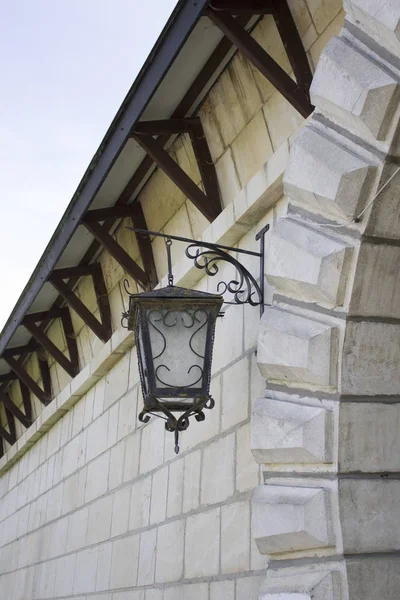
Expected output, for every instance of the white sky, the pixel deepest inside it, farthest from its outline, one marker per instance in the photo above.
(66, 66)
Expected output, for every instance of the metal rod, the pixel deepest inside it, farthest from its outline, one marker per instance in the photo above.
(261, 236)
(168, 244)
(201, 243)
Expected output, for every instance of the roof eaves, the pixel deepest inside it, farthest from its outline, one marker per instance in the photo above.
(168, 45)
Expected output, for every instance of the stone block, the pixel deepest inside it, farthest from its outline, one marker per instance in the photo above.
(374, 578)
(97, 477)
(170, 544)
(158, 507)
(99, 523)
(296, 350)
(252, 148)
(152, 446)
(380, 19)
(202, 544)
(217, 475)
(323, 12)
(297, 584)
(85, 570)
(120, 511)
(124, 563)
(222, 590)
(104, 567)
(139, 513)
(235, 536)
(191, 483)
(307, 264)
(247, 470)
(235, 394)
(370, 515)
(376, 284)
(288, 519)
(363, 97)
(325, 176)
(290, 432)
(175, 488)
(369, 439)
(370, 359)
(147, 557)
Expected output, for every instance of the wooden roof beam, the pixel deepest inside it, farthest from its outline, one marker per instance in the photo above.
(256, 54)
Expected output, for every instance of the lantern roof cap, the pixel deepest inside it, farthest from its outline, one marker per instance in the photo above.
(173, 291)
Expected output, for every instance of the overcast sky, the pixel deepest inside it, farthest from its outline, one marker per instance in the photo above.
(66, 66)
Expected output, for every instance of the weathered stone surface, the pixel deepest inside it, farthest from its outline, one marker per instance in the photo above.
(304, 263)
(325, 176)
(376, 287)
(374, 578)
(370, 515)
(369, 437)
(297, 584)
(284, 432)
(286, 519)
(296, 350)
(380, 19)
(363, 96)
(370, 359)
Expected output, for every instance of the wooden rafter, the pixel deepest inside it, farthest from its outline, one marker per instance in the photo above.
(135, 212)
(101, 328)
(19, 370)
(246, 7)
(295, 93)
(71, 364)
(161, 157)
(24, 417)
(118, 253)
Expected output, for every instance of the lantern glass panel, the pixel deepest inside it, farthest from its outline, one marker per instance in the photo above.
(178, 342)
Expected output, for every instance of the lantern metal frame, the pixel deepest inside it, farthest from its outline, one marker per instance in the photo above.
(244, 289)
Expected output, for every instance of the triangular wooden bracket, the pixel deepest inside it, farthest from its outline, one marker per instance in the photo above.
(297, 93)
(58, 279)
(24, 417)
(71, 364)
(42, 394)
(208, 202)
(135, 212)
(100, 232)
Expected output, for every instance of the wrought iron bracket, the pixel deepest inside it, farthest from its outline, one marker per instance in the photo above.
(244, 289)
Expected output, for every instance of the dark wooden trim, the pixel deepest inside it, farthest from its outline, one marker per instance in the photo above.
(46, 377)
(243, 7)
(32, 346)
(11, 423)
(54, 313)
(102, 299)
(119, 211)
(165, 126)
(293, 45)
(25, 419)
(68, 272)
(7, 377)
(144, 243)
(26, 400)
(52, 349)
(178, 175)
(261, 60)
(206, 166)
(70, 339)
(118, 253)
(7, 435)
(77, 305)
(27, 379)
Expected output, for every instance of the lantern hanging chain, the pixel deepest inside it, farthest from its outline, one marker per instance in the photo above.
(358, 217)
(168, 244)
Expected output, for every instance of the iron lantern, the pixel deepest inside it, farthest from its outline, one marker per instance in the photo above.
(174, 330)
